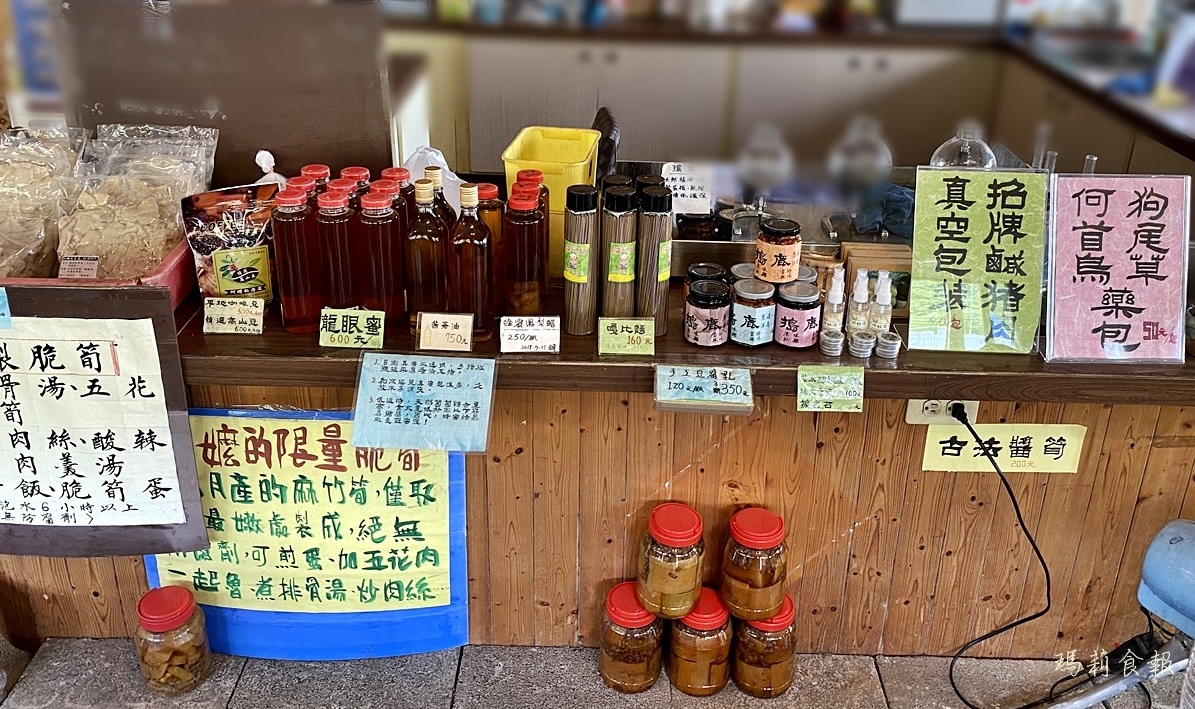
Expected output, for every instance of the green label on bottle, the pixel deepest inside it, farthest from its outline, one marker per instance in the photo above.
(664, 266)
(576, 262)
(621, 268)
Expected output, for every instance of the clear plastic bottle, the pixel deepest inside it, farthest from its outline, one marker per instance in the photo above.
(858, 311)
(332, 226)
(881, 307)
(443, 209)
(426, 257)
(300, 262)
(524, 281)
(834, 311)
(469, 289)
(965, 149)
(384, 270)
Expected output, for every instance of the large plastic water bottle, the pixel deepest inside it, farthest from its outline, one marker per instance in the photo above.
(1188, 699)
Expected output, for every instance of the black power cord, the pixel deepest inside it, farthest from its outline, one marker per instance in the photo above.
(959, 412)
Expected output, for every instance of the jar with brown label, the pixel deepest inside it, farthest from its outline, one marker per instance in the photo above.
(754, 564)
(763, 654)
(778, 251)
(670, 556)
(171, 640)
(629, 657)
(699, 654)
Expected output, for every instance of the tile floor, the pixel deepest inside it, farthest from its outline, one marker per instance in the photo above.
(102, 674)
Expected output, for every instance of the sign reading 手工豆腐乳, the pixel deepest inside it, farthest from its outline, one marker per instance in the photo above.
(978, 239)
(1016, 448)
(301, 521)
(1118, 268)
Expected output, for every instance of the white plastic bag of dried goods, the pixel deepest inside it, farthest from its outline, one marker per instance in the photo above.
(425, 156)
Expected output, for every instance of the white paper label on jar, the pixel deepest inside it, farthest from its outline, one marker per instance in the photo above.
(752, 326)
(706, 326)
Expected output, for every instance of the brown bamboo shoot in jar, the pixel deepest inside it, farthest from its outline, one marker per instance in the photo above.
(754, 564)
(630, 655)
(699, 652)
(670, 559)
(763, 654)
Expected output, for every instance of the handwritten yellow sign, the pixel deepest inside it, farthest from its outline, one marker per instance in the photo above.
(627, 336)
(361, 329)
(301, 521)
(1017, 448)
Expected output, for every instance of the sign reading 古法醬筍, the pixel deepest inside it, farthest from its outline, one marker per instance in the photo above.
(978, 238)
(1118, 268)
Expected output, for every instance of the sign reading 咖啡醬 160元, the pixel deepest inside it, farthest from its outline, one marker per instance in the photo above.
(978, 239)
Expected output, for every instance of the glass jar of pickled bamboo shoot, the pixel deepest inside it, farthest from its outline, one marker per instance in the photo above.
(171, 640)
(670, 556)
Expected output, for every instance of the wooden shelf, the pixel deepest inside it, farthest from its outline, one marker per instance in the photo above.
(278, 358)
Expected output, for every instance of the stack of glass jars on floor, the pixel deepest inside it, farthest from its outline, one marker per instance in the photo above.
(706, 647)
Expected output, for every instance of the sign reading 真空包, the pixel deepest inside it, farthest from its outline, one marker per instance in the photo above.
(978, 240)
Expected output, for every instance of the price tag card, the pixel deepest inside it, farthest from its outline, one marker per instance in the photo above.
(356, 328)
(627, 336)
(706, 389)
(823, 387)
(1017, 447)
(78, 266)
(531, 334)
(452, 332)
(690, 185)
(234, 316)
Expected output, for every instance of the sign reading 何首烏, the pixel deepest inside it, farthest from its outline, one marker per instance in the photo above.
(978, 240)
(1118, 268)
(87, 439)
(417, 402)
(301, 521)
(828, 387)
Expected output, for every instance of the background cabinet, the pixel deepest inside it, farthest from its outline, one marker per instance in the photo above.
(669, 101)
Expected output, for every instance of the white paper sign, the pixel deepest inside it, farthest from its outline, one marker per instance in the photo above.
(690, 185)
(78, 266)
(86, 435)
(237, 316)
(451, 332)
(530, 334)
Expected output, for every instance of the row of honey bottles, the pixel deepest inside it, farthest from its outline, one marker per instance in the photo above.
(400, 247)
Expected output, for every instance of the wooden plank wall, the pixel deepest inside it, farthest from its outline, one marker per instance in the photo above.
(885, 558)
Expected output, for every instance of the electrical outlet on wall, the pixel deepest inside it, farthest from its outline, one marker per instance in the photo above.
(927, 411)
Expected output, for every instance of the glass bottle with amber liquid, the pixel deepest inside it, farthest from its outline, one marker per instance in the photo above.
(524, 281)
(382, 237)
(300, 261)
(426, 257)
(332, 226)
(406, 190)
(442, 208)
(469, 286)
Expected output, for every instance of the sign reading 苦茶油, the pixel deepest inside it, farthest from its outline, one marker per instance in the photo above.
(88, 433)
(1118, 268)
(978, 240)
(416, 402)
(301, 521)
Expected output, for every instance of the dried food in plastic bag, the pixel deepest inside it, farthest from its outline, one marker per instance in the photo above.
(229, 234)
(32, 172)
(27, 247)
(70, 141)
(189, 160)
(132, 223)
(148, 130)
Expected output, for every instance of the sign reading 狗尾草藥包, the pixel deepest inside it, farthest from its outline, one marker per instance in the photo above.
(1118, 268)
(978, 238)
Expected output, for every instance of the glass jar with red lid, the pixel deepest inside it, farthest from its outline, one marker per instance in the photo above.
(670, 557)
(171, 640)
(630, 656)
(754, 564)
(699, 652)
(763, 653)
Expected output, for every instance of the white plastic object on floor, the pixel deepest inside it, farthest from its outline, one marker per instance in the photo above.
(1188, 697)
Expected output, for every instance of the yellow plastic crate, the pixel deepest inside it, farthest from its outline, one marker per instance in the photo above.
(566, 156)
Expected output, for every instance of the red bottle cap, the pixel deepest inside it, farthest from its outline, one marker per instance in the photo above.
(397, 174)
(291, 197)
(333, 200)
(343, 185)
(164, 609)
(675, 525)
(487, 190)
(301, 182)
(623, 607)
(757, 528)
(355, 173)
(535, 177)
(386, 187)
(523, 203)
(316, 172)
(377, 200)
(709, 613)
(524, 188)
(781, 621)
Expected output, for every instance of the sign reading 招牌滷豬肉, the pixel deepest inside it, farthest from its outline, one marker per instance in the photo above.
(1016, 448)
(828, 387)
(354, 328)
(627, 336)
(238, 316)
(537, 333)
(418, 402)
(1118, 268)
(301, 521)
(88, 439)
(978, 238)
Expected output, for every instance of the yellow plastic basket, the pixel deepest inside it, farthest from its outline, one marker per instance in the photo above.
(566, 156)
